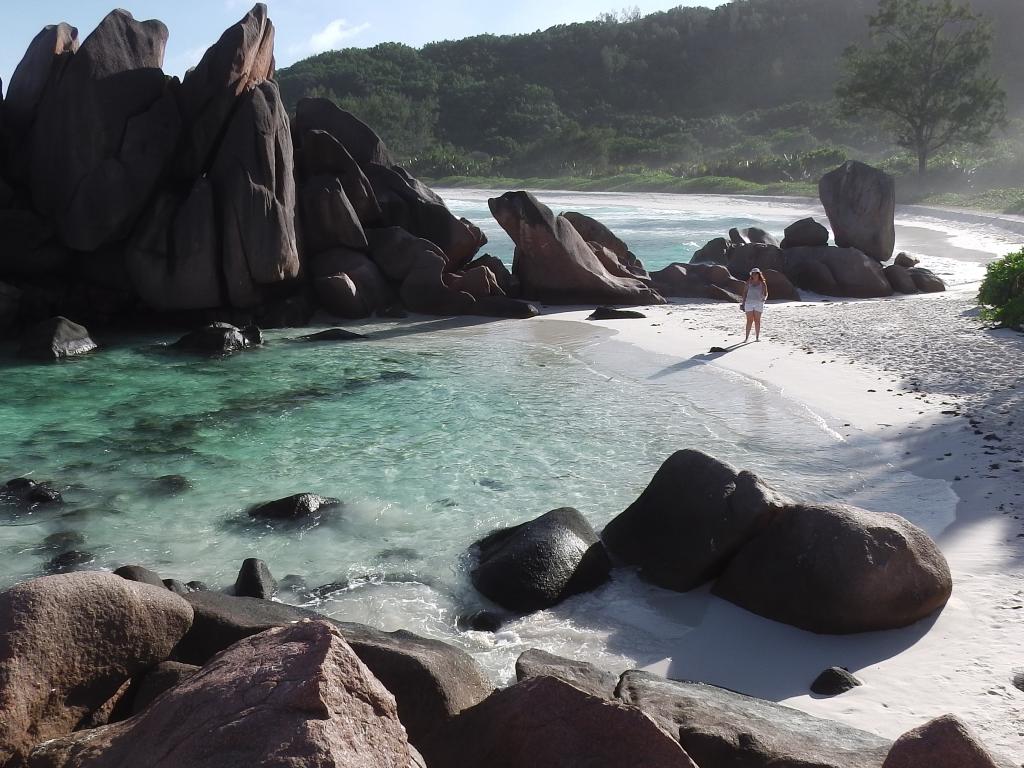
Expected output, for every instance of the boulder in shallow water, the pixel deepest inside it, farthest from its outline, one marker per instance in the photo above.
(694, 515)
(294, 695)
(860, 202)
(553, 262)
(837, 569)
(68, 642)
(544, 722)
(945, 742)
(580, 674)
(539, 563)
(722, 728)
(805, 233)
(218, 339)
(255, 580)
(56, 339)
(301, 506)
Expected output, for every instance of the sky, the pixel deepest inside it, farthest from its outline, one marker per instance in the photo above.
(306, 27)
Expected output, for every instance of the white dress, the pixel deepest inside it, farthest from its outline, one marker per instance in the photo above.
(755, 298)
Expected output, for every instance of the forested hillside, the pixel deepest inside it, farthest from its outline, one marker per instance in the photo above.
(744, 90)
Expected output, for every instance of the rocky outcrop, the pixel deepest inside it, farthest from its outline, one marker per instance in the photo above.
(834, 271)
(752, 235)
(926, 281)
(717, 727)
(805, 233)
(945, 742)
(219, 339)
(743, 258)
(693, 517)
(56, 339)
(697, 281)
(155, 681)
(593, 231)
(294, 695)
(837, 569)
(320, 154)
(546, 722)
(537, 564)
(579, 674)
(94, 174)
(860, 202)
(67, 643)
(432, 681)
(780, 288)
(255, 580)
(714, 252)
(900, 279)
(553, 262)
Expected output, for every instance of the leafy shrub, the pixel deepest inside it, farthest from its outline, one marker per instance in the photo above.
(1002, 291)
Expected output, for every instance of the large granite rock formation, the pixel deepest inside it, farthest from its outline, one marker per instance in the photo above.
(105, 133)
(697, 280)
(805, 233)
(543, 723)
(295, 695)
(593, 231)
(539, 563)
(68, 642)
(837, 569)
(834, 271)
(717, 727)
(860, 202)
(553, 262)
(693, 517)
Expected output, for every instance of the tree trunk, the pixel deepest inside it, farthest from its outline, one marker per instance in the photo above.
(922, 161)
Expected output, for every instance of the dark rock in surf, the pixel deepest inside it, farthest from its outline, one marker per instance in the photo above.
(714, 252)
(805, 233)
(55, 339)
(717, 727)
(537, 564)
(480, 621)
(860, 202)
(69, 562)
(580, 674)
(610, 313)
(834, 681)
(926, 281)
(553, 262)
(693, 517)
(216, 339)
(43, 494)
(333, 334)
(255, 580)
(169, 485)
(301, 506)
(837, 569)
(945, 742)
(544, 721)
(140, 574)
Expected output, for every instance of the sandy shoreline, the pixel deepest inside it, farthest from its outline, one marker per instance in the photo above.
(935, 394)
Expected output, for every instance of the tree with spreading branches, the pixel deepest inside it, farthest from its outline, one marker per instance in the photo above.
(926, 74)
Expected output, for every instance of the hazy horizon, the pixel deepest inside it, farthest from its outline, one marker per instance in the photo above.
(308, 27)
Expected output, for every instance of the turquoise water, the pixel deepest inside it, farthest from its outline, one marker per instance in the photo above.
(431, 432)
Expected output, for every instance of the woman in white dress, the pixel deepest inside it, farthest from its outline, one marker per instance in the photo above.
(755, 294)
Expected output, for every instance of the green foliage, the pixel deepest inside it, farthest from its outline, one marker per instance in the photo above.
(1002, 292)
(927, 75)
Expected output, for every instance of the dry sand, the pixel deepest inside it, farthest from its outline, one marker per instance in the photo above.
(943, 397)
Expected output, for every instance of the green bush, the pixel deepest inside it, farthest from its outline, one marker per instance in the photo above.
(1002, 291)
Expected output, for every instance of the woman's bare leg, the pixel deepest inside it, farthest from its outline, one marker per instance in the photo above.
(757, 326)
(750, 322)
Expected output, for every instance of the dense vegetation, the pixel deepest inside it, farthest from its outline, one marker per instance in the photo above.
(744, 91)
(1002, 291)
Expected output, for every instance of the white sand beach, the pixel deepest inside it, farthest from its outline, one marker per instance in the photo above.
(935, 394)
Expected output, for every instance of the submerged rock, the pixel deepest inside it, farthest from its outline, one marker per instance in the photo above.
(56, 339)
(68, 642)
(540, 563)
(837, 569)
(219, 339)
(301, 506)
(294, 695)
